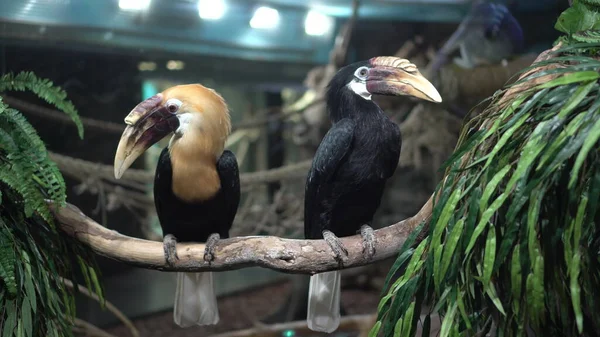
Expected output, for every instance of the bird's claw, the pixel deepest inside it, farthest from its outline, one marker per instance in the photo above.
(169, 245)
(369, 240)
(341, 253)
(209, 250)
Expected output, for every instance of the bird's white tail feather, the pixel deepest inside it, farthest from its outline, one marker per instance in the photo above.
(195, 300)
(324, 301)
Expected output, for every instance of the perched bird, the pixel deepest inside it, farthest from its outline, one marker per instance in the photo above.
(489, 34)
(196, 185)
(351, 166)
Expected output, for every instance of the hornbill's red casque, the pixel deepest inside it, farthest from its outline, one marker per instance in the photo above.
(351, 166)
(196, 186)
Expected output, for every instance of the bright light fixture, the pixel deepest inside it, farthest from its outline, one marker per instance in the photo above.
(265, 18)
(134, 5)
(211, 9)
(317, 24)
(147, 66)
(175, 65)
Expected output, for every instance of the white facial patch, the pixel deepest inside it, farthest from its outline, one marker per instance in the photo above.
(360, 88)
(185, 120)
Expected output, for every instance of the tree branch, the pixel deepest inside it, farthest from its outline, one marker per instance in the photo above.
(88, 329)
(109, 306)
(284, 255)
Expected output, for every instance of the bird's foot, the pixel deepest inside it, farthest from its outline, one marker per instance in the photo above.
(169, 243)
(209, 251)
(341, 253)
(368, 236)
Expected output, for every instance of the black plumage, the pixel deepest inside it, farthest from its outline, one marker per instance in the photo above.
(357, 156)
(352, 164)
(195, 222)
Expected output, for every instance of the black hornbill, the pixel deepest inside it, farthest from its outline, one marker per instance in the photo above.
(351, 166)
(196, 185)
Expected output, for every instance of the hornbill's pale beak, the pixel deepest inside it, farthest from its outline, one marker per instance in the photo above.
(147, 123)
(395, 76)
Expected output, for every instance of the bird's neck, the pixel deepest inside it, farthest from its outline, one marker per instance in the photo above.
(194, 166)
(344, 103)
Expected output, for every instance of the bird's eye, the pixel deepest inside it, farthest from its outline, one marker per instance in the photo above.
(173, 105)
(361, 72)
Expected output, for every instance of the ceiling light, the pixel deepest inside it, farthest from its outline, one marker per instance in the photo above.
(175, 65)
(146, 66)
(317, 24)
(265, 18)
(135, 5)
(211, 9)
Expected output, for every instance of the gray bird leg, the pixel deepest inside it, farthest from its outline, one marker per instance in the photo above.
(368, 236)
(209, 251)
(169, 242)
(341, 253)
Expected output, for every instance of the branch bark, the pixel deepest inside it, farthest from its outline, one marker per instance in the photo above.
(89, 330)
(284, 255)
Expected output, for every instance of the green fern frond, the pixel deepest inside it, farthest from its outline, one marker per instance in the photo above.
(33, 298)
(513, 236)
(7, 258)
(44, 89)
(29, 170)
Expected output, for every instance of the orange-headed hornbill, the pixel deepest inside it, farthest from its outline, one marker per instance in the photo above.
(351, 166)
(196, 185)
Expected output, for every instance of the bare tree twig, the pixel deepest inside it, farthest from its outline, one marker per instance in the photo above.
(117, 128)
(103, 171)
(284, 255)
(347, 323)
(134, 331)
(88, 329)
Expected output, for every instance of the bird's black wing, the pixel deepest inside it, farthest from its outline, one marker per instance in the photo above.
(333, 149)
(162, 186)
(230, 187)
(394, 157)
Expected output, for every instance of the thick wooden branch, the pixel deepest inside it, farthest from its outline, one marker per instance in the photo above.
(285, 255)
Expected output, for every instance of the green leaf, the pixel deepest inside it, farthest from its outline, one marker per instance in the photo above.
(575, 268)
(516, 276)
(448, 321)
(450, 246)
(491, 291)
(405, 252)
(489, 258)
(441, 224)
(398, 328)
(463, 312)
(26, 317)
(582, 91)
(577, 18)
(491, 187)
(30, 292)
(375, 329)
(10, 322)
(582, 76)
(407, 327)
(591, 139)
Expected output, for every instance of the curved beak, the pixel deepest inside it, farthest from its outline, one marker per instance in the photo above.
(147, 123)
(402, 80)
